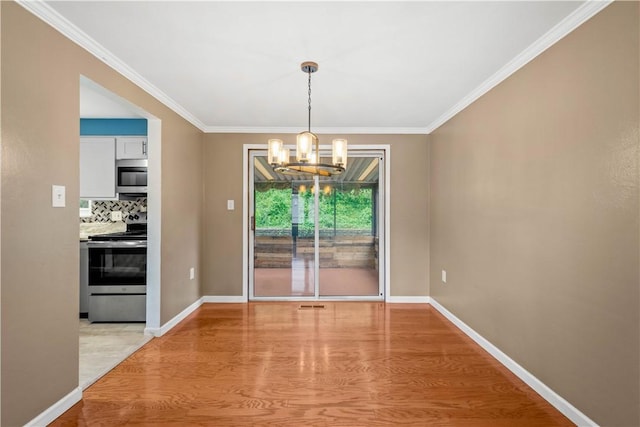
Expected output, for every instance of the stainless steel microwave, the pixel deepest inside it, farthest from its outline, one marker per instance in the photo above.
(131, 177)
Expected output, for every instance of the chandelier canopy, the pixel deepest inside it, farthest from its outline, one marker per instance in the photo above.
(307, 147)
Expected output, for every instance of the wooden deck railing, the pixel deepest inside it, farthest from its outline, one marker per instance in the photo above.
(335, 252)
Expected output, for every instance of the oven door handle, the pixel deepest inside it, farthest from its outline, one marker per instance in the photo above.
(106, 244)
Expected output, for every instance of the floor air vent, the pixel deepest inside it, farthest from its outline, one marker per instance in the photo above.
(308, 306)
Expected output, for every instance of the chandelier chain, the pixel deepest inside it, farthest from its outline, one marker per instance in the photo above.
(309, 128)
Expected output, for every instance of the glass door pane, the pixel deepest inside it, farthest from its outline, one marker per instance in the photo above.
(349, 212)
(284, 231)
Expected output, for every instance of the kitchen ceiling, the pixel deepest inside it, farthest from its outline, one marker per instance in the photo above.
(384, 67)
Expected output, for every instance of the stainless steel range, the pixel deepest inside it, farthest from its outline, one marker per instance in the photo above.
(118, 276)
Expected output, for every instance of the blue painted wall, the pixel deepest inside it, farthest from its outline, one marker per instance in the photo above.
(113, 127)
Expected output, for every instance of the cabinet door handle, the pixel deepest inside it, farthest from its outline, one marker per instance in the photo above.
(144, 148)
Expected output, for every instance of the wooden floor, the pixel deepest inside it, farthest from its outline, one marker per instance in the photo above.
(280, 364)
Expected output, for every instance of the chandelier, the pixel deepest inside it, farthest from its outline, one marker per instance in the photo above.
(307, 147)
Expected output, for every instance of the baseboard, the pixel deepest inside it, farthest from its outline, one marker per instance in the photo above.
(241, 299)
(409, 300)
(567, 409)
(158, 332)
(57, 409)
(75, 396)
(224, 299)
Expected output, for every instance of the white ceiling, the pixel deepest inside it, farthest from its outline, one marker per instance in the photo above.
(97, 102)
(384, 67)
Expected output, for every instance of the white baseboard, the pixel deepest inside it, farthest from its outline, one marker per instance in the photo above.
(158, 332)
(242, 299)
(567, 409)
(409, 300)
(57, 409)
(224, 299)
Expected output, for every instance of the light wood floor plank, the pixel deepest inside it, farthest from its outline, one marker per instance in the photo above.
(348, 364)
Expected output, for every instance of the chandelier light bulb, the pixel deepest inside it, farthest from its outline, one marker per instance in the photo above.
(274, 151)
(284, 156)
(304, 147)
(340, 152)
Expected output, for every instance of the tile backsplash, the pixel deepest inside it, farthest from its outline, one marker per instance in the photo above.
(132, 210)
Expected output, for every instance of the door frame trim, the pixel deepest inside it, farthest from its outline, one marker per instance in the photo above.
(386, 148)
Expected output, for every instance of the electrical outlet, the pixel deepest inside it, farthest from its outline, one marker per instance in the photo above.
(116, 216)
(192, 273)
(444, 276)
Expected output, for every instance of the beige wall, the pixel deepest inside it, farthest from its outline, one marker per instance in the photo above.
(534, 215)
(222, 249)
(182, 189)
(39, 244)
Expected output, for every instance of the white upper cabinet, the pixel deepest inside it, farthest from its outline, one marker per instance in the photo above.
(97, 168)
(131, 147)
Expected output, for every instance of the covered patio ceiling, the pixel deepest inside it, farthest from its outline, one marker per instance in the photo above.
(360, 170)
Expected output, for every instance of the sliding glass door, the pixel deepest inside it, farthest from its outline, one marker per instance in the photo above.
(283, 243)
(348, 232)
(316, 237)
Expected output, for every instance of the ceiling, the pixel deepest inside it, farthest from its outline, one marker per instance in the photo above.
(384, 67)
(97, 102)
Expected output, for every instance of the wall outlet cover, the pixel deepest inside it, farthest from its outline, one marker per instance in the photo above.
(116, 215)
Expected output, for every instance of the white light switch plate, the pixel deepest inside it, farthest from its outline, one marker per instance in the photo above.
(192, 273)
(58, 196)
(444, 276)
(231, 205)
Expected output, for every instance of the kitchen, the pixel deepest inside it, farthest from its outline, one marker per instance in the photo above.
(113, 238)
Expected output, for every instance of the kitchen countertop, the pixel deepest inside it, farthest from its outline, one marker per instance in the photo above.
(92, 228)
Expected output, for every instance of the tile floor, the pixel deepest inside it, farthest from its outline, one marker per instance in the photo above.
(105, 345)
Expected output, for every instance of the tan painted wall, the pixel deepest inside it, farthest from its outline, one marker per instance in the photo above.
(534, 215)
(222, 249)
(39, 244)
(182, 189)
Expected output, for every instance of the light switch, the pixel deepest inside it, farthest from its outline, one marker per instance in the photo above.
(231, 205)
(444, 276)
(58, 196)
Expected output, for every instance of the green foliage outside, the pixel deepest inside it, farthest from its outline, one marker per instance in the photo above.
(273, 208)
(353, 210)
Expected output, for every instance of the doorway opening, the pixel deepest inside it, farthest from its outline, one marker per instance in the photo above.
(103, 345)
(316, 237)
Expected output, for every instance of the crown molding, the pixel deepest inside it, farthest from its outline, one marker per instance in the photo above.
(49, 15)
(564, 27)
(319, 130)
(69, 30)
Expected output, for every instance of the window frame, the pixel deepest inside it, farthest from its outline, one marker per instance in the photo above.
(88, 211)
